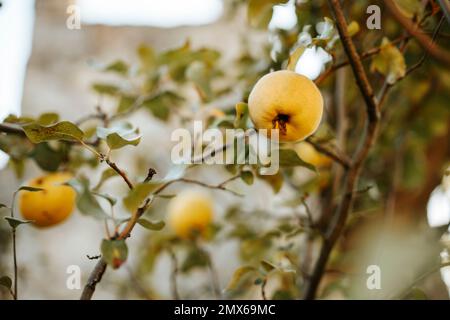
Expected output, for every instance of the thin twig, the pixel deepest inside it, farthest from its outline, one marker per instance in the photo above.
(425, 55)
(263, 289)
(419, 279)
(94, 278)
(120, 172)
(13, 231)
(213, 272)
(15, 263)
(340, 158)
(174, 274)
(445, 6)
(426, 42)
(365, 55)
(137, 285)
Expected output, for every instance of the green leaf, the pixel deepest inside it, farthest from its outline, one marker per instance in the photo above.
(30, 189)
(390, 62)
(289, 158)
(409, 8)
(15, 146)
(64, 130)
(294, 57)
(106, 174)
(14, 222)
(118, 66)
(147, 58)
(259, 12)
(119, 135)
(46, 157)
(238, 275)
(6, 281)
(161, 104)
(201, 74)
(112, 201)
(417, 294)
(115, 252)
(275, 181)
(106, 89)
(241, 115)
(141, 191)
(178, 60)
(86, 201)
(247, 177)
(49, 118)
(125, 103)
(194, 259)
(156, 226)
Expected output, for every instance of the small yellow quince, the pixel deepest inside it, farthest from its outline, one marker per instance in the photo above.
(50, 206)
(190, 213)
(286, 101)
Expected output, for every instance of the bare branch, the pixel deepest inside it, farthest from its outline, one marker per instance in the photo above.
(365, 55)
(174, 274)
(119, 171)
(94, 278)
(426, 42)
(337, 224)
(340, 158)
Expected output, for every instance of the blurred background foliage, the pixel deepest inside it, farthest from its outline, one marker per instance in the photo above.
(276, 246)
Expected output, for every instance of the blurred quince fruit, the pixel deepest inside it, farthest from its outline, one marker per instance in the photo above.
(287, 101)
(190, 213)
(308, 153)
(50, 206)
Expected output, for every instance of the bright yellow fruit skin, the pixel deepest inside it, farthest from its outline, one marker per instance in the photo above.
(288, 96)
(50, 206)
(190, 213)
(307, 153)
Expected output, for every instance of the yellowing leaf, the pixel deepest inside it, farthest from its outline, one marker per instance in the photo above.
(238, 275)
(6, 281)
(390, 62)
(294, 57)
(289, 158)
(353, 28)
(259, 12)
(241, 115)
(120, 135)
(64, 130)
(155, 226)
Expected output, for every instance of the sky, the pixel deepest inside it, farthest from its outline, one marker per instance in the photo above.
(16, 30)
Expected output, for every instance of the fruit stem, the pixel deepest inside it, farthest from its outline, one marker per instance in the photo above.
(279, 122)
